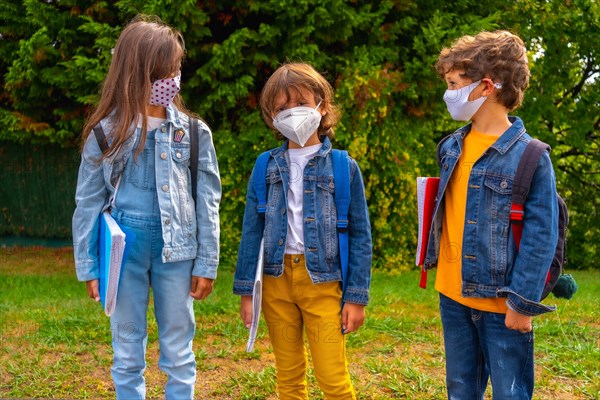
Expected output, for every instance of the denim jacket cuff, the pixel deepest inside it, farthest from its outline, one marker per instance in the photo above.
(204, 270)
(243, 288)
(87, 271)
(356, 296)
(526, 307)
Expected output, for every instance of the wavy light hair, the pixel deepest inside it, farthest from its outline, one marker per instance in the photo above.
(147, 50)
(498, 55)
(291, 78)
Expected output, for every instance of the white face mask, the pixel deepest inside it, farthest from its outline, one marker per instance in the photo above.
(459, 106)
(298, 123)
(164, 91)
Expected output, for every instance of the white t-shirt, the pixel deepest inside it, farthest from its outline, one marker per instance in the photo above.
(152, 124)
(297, 160)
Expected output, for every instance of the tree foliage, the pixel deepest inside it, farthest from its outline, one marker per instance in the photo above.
(379, 56)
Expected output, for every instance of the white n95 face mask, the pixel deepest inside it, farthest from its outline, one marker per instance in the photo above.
(298, 123)
(459, 106)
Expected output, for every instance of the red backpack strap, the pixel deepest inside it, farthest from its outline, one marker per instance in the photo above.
(525, 170)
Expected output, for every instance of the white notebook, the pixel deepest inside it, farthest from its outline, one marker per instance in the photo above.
(256, 298)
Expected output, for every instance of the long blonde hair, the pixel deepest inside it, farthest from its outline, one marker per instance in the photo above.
(147, 50)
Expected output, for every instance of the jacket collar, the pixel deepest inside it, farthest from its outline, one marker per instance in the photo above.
(505, 141)
(510, 136)
(174, 116)
(323, 151)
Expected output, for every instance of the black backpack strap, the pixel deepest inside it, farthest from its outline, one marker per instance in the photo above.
(527, 165)
(522, 183)
(194, 143)
(100, 137)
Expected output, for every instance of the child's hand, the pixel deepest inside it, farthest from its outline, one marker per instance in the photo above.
(246, 310)
(92, 289)
(353, 316)
(201, 287)
(518, 322)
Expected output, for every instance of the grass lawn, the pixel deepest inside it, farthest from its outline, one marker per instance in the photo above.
(55, 342)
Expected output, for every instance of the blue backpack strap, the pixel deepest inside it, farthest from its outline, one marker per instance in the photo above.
(259, 181)
(341, 178)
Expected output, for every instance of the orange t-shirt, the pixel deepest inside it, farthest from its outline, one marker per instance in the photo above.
(449, 275)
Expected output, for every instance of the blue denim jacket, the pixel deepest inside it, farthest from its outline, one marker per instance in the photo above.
(189, 231)
(491, 265)
(320, 232)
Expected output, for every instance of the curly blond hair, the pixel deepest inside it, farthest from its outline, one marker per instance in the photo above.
(498, 55)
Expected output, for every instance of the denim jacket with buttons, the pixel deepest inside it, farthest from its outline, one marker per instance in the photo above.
(320, 232)
(190, 231)
(491, 264)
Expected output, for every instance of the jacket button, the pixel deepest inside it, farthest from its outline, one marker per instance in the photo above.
(503, 184)
(165, 188)
(280, 242)
(163, 129)
(446, 166)
(163, 156)
(178, 155)
(167, 221)
(283, 211)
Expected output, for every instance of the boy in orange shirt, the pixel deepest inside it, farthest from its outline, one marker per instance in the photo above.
(489, 291)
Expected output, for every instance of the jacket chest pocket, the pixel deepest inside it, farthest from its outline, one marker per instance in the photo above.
(326, 217)
(500, 185)
(276, 208)
(325, 195)
(447, 166)
(180, 155)
(498, 196)
(274, 188)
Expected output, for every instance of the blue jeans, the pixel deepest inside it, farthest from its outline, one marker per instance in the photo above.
(478, 346)
(173, 309)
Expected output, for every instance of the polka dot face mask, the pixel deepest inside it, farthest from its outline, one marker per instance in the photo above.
(164, 91)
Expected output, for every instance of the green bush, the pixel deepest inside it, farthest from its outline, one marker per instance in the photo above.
(379, 56)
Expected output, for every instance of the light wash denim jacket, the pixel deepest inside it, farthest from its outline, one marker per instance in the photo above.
(320, 232)
(188, 232)
(491, 265)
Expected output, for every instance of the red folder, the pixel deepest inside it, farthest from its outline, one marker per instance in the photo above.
(427, 188)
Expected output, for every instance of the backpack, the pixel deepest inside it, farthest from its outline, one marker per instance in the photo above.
(560, 284)
(341, 179)
(101, 139)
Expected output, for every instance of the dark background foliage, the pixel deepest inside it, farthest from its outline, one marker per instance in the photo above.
(379, 55)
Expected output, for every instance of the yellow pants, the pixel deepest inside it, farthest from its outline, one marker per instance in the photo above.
(291, 305)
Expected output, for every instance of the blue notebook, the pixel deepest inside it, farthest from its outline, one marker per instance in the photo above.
(114, 243)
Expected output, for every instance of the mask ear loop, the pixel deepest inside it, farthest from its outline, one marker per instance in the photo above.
(496, 85)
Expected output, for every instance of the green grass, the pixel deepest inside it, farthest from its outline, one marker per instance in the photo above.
(55, 342)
